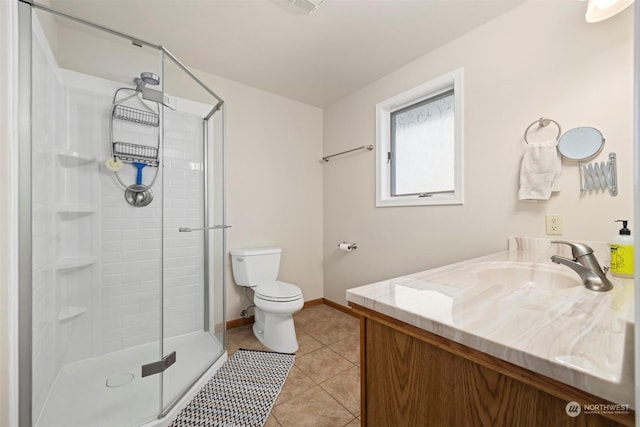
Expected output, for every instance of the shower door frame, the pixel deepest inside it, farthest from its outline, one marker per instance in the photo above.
(25, 334)
(25, 258)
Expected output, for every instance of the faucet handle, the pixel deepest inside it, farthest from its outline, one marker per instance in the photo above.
(577, 249)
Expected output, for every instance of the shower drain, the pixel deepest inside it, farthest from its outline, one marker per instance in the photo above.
(119, 380)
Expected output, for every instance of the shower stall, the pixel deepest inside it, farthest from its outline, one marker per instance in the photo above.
(122, 226)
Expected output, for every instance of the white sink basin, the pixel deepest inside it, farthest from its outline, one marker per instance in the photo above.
(526, 275)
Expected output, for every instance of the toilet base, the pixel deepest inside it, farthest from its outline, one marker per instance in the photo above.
(275, 331)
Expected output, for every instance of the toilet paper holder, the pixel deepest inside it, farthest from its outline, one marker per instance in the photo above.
(345, 246)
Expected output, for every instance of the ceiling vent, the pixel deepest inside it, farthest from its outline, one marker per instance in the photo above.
(309, 6)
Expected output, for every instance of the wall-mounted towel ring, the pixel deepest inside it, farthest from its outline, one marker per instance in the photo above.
(542, 122)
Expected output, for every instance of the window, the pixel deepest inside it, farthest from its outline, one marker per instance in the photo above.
(419, 145)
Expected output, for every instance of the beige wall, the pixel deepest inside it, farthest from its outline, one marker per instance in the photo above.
(274, 175)
(274, 181)
(541, 59)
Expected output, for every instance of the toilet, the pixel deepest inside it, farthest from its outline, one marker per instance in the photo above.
(275, 302)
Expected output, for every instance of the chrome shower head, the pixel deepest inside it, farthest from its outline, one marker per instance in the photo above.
(150, 78)
(146, 78)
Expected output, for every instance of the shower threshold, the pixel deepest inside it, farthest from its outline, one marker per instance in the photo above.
(100, 392)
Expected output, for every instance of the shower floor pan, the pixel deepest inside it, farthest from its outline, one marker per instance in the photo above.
(80, 396)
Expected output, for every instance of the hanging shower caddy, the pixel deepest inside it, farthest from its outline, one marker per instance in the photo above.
(130, 106)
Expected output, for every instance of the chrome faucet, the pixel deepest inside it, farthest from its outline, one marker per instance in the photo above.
(584, 263)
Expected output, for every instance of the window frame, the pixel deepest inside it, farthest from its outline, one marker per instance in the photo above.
(432, 89)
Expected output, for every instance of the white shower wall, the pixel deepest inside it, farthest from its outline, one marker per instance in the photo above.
(98, 262)
(132, 243)
(64, 235)
(183, 264)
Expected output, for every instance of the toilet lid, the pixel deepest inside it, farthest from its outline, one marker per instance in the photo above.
(277, 291)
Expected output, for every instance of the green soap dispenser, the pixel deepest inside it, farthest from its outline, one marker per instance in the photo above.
(622, 252)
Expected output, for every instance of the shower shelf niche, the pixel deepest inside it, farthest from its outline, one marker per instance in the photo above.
(72, 211)
(77, 262)
(68, 313)
(70, 159)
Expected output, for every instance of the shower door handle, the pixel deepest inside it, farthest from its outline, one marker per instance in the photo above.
(213, 227)
(159, 366)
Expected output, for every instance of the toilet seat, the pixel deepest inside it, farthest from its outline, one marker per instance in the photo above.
(277, 291)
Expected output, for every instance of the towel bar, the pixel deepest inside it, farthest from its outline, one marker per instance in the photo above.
(368, 147)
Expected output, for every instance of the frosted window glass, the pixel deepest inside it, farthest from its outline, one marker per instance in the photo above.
(422, 145)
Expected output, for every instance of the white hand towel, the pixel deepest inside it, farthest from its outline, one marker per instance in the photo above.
(540, 171)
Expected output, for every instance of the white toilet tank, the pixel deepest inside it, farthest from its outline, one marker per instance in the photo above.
(254, 265)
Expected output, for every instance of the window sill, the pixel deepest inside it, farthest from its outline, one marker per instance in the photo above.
(419, 201)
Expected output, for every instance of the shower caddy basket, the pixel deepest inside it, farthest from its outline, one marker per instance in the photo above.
(131, 108)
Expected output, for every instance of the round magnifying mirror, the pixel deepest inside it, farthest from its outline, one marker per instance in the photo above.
(581, 143)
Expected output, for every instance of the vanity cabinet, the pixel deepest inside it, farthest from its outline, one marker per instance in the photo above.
(411, 377)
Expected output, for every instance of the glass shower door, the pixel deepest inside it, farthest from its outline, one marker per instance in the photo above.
(193, 231)
(95, 288)
(122, 225)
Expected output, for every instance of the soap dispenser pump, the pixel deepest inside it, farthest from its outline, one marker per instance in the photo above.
(622, 252)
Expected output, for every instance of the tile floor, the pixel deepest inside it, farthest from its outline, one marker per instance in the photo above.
(323, 387)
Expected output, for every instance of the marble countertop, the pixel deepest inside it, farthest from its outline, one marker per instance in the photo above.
(520, 307)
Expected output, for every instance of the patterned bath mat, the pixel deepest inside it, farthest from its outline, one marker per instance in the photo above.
(241, 393)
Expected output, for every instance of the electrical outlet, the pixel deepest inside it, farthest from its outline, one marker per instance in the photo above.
(554, 224)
